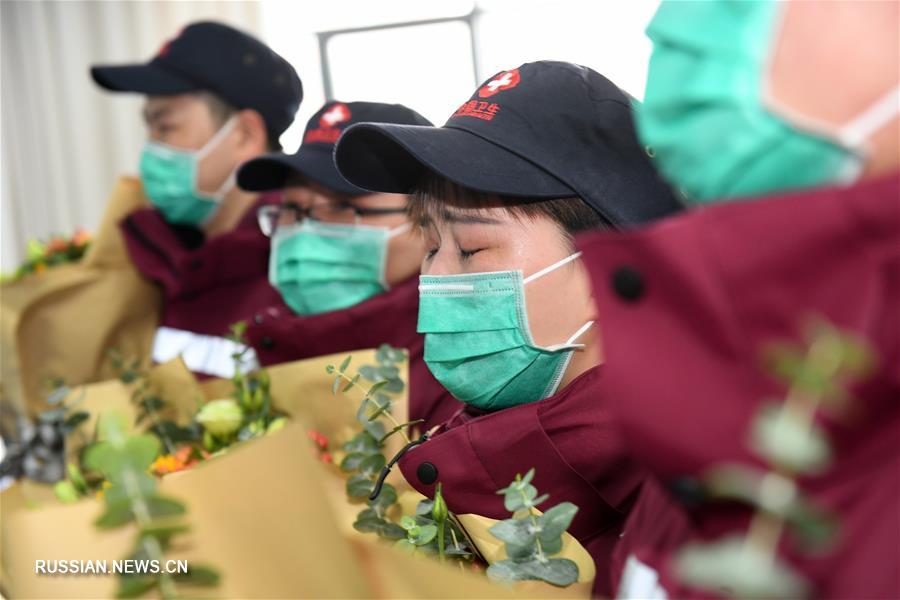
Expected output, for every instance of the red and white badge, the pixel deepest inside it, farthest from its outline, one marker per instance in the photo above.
(334, 115)
(503, 81)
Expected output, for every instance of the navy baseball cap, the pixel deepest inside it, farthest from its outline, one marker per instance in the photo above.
(543, 130)
(315, 158)
(213, 57)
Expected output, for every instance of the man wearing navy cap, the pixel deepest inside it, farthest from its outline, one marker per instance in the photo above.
(343, 259)
(215, 98)
(536, 155)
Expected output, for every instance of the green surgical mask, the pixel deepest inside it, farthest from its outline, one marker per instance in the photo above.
(711, 122)
(169, 176)
(319, 267)
(477, 341)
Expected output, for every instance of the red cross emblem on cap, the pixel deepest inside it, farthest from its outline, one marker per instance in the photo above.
(503, 81)
(334, 115)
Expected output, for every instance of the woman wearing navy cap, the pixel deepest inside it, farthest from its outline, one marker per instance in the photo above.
(538, 154)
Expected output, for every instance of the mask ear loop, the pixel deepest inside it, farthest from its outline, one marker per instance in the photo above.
(872, 119)
(208, 147)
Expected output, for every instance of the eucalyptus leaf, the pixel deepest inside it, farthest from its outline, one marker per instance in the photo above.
(345, 364)
(160, 506)
(352, 461)
(513, 531)
(115, 515)
(425, 534)
(555, 521)
(372, 465)
(359, 486)
(74, 420)
(134, 586)
(198, 575)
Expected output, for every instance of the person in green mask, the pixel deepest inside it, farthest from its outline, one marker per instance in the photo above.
(537, 155)
(215, 97)
(344, 260)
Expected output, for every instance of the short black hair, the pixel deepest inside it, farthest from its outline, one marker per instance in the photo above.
(433, 193)
(222, 111)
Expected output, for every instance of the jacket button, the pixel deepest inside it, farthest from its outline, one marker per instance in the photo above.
(427, 473)
(268, 343)
(257, 318)
(688, 491)
(628, 283)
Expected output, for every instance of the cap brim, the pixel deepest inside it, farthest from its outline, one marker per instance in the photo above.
(393, 158)
(150, 79)
(271, 172)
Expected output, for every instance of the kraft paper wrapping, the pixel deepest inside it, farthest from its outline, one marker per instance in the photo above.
(61, 322)
(272, 519)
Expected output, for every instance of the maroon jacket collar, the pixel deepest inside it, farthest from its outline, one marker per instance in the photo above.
(184, 263)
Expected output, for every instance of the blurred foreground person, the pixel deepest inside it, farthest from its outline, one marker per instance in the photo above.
(770, 320)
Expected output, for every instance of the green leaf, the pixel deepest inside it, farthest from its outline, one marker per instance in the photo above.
(160, 506)
(145, 484)
(116, 515)
(74, 420)
(384, 405)
(336, 385)
(65, 491)
(528, 477)
(362, 442)
(386, 497)
(376, 386)
(369, 373)
(372, 464)
(391, 531)
(345, 364)
(389, 372)
(164, 531)
(198, 575)
(329, 369)
(359, 486)
(407, 522)
(425, 535)
(76, 477)
(352, 461)
(513, 531)
(351, 383)
(58, 395)
(556, 520)
(134, 586)
(394, 386)
(405, 545)
(557, 571)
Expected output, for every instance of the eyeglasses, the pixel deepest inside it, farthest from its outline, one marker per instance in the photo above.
(273, 216)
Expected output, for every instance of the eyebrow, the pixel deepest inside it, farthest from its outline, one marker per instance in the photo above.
(466, 218)
(157, 113)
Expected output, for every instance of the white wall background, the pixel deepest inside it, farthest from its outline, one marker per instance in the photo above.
(64, 140)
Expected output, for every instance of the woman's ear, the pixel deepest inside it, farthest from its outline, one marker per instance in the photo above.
(253, 137)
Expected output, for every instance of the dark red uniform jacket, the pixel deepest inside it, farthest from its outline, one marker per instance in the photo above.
(207, 284)
(278, 335)
(687, 307)
(567, 438)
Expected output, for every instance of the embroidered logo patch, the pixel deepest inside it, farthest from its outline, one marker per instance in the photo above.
(503, 81)
(328, 131)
